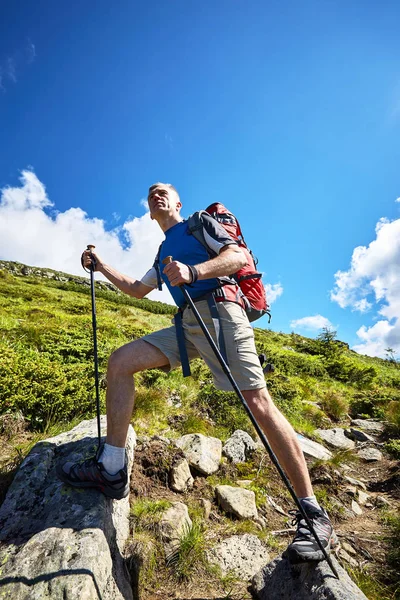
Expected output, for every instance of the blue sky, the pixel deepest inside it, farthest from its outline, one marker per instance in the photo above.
(287, 112)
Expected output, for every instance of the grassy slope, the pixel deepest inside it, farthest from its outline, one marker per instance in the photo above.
(46, 368)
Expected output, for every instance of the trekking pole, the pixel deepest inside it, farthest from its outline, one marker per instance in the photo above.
(94, 327)
(263, 438)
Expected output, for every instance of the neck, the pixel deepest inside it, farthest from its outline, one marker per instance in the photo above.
(168, 221)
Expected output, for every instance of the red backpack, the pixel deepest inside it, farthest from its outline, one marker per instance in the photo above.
(247, 278)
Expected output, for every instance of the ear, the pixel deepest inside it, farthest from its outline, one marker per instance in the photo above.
(178, 206)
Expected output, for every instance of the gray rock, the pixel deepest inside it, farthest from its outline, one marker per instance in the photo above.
(370, 454)
(313, 449)
(173, 524)
(280, 580)
(203, 453)
(59, 541)
(239, 447)
(348, 548)
(335, 437)
(368, 425)
(381, 501)
(357, 435)
(206, 506)
(180, 477)
(363, 498)
(356, 508)
(356, 482)
(237, 501)
(347, 558)
(243, 555)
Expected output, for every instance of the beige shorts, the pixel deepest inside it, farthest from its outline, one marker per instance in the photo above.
(238, 335)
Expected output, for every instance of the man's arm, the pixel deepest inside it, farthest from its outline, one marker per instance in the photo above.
(229, 260)
(132, 287)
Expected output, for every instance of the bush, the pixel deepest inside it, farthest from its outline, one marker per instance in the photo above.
(372, 403)
(44, 391)
(291, 362)
(348, 371)
(224, 408)
(335, 404)
(393, 415)
(287, 396)
(393, 448)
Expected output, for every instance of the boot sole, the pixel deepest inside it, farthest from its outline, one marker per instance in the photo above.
(295, 557)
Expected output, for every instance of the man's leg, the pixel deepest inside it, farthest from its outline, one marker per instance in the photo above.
(282, 439)
(107, 471)
(123, 363)
(286, 447)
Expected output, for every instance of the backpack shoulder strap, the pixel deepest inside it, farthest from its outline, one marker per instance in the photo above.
(196, 228)
(156, 266)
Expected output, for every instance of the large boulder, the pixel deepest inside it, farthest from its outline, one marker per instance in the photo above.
(369, 425)
(202, 453)
(280, 580)
(237, 501)
(336, 438)
(239, 447)
(370, 454)
(244, 555)
(58, 541)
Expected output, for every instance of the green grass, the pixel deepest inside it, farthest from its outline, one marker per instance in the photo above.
(146, 514)
(189, 558)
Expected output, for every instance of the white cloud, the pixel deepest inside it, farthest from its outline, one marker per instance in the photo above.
(33, 233)
(311, 323)
(397, 199)
(273, 292)
(373, 280)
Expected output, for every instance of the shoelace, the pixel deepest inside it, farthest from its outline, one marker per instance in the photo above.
(299, 521)
(88, 462)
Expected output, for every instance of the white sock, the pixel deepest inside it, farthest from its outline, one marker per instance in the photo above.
(113, 458)
(311, 499)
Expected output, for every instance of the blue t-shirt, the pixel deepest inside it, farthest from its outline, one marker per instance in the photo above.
(185, 248)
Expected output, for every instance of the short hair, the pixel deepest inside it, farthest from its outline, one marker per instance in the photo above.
(168, 185)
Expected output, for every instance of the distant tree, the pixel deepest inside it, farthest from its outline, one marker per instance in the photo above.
(390, 354)
(327, 335)
(328, 345)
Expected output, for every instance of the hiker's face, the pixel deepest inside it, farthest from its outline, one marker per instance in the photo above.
(163, 201)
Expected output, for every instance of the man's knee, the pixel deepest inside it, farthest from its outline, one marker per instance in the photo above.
(134, 357)
(259, 400)
(120, 363)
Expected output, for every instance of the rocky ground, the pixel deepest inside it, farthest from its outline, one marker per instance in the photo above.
(355, 491)
(229, 505)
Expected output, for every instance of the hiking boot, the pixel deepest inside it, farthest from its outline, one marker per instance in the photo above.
(90, 473)
(304, 546)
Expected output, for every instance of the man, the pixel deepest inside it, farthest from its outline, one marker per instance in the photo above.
(107, 471)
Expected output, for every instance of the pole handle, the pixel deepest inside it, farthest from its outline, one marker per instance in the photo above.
(167, 260)
(90, 248)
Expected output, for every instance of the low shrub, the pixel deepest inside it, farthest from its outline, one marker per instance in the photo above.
(43, 390)
(335, 404)
(224, 408)
(372, 403)
(348, 371)
(393, 448)
(393, 415)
